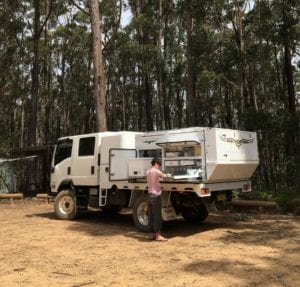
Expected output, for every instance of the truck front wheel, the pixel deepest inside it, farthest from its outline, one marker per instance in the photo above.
(141, 212)
(65, 205)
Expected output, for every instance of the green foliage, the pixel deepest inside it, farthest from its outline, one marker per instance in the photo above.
(288, 199)
(4, 150)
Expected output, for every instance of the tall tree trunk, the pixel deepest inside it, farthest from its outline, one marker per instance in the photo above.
(289, 78)
(242, 61)
(227, 103)
(31, 135)
(148, 98)
(61, 81)
(114, 113)
(140, 102)
(160, 92)
(237, 22)
(47, 71)
(37, 30)
(190, 93)
(31, 139)
(293, 125)
(32, 129)
(145, 78)
(167, 89)
(179, 108)
(99, 77)
(124, 106)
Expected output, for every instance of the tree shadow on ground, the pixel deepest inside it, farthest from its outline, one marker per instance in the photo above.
(274, 272)
(97, 223)
(47, 215)
(277, 266)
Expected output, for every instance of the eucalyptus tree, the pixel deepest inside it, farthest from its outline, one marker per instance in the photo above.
(38, 27)
(285, 37)
(98, 67)
(111, 29)
(143, 29)
(74, 102)
(204, 39)
(11, 77)
(286, 15)
(270, 47)
(156, 39)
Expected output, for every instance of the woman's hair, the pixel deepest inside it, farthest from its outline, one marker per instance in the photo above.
(155, 160)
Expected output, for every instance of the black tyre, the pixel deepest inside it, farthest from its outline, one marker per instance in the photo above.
(193, 214)
(65, 206)
(141, 212)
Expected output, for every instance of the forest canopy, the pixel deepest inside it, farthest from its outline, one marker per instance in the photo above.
(167, 63)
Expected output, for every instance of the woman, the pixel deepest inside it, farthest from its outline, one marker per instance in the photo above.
(154, 192)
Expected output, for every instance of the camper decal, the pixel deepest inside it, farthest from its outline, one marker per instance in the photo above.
(238, 143)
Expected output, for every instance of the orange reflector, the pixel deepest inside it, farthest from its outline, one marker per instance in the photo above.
(204, 191)
(247, 187)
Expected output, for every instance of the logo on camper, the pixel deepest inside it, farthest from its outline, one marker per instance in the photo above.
(238, 143)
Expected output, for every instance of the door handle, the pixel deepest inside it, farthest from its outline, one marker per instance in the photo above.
(69, 170)
(92, 169)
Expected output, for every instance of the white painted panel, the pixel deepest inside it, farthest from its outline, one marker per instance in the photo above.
(230, 154)
(138, 167)
(119, 163)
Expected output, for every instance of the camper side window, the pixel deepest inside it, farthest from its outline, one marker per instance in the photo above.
(150, 153)
(86, 146)
(63, 150)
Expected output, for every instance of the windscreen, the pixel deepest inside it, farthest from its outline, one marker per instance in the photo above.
(63, 150)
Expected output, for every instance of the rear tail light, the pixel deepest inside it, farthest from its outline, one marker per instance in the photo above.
(247, 187)
(204, 191)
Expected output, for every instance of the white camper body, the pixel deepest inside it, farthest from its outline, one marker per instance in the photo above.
(108, 170)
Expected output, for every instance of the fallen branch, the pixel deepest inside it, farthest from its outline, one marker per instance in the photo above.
(254, 203)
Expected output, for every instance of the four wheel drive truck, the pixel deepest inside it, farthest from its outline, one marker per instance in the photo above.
(108, 170)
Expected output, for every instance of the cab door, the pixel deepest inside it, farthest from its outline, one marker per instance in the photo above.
(61, 163)
(84, 162)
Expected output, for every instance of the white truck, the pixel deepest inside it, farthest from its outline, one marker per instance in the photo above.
(108, 171)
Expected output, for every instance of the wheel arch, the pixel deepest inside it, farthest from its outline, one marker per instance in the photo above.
(66, 184)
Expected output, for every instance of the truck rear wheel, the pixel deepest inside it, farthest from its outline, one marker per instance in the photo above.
(65, 205)
(194, 215)
(192, 208)
(141, 212)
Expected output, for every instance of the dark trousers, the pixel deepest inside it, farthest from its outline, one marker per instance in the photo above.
(155, 215)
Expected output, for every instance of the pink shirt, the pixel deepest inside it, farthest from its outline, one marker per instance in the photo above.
(153, 175)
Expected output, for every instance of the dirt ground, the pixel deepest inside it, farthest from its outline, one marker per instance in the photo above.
(231, 249)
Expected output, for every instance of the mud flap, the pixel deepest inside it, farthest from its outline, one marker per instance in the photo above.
(168, 213)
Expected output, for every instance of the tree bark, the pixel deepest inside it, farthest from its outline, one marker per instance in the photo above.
(237, 22)
(290, 102)
(31, 139)
(161, 95)
(37, 30)
(99, 76)
(148, 98)
(190, 93)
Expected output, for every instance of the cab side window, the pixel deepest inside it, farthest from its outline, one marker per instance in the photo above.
(86, 146)
(63, 150)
